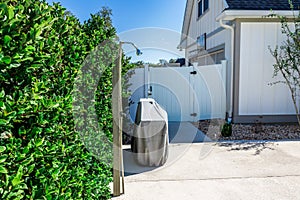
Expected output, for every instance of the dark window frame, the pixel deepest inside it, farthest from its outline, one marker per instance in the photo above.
(200, 8)
(201, 42)
(205, 5)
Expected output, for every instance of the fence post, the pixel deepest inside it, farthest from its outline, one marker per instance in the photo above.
(224, 64)
(224, 70)
(146, 80)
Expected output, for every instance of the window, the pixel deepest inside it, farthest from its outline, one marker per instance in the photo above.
(205, 6)
(210, 58)
(202, 7)
(199, 8)
(201, 42)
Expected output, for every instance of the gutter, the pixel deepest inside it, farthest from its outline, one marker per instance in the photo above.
(229, 112)
(229, 15)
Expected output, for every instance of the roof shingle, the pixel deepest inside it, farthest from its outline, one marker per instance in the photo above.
(262, 4)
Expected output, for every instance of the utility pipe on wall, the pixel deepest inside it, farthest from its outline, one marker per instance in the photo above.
(231, 69)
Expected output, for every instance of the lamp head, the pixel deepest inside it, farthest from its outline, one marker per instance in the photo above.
(138, 52)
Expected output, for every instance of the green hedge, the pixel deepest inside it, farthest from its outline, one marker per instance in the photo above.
(42, 49)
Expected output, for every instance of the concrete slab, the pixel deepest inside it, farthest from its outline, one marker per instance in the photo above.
(224, 189)
(181, 136)
(260, 170)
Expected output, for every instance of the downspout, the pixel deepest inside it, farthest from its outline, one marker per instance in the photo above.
(229, 112)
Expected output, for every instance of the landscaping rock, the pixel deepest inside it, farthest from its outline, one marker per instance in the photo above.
(258, 131)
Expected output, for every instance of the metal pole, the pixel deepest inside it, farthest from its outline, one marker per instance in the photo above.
(117, 124)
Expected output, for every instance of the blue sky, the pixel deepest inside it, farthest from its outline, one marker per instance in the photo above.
(130, 16)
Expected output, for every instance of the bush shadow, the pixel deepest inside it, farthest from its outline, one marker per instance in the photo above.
(258, 147)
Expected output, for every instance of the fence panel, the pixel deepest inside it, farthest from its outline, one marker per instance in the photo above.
(187, 93)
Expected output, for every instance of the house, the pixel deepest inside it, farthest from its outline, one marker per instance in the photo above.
(239, 31)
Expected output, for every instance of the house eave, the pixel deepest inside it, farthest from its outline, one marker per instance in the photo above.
(186, 22)
(183, 43)
(229, 15)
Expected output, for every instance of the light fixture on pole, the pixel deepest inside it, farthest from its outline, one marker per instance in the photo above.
(138, 51)
(118, 165)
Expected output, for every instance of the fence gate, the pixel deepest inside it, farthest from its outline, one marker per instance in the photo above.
(186, 93)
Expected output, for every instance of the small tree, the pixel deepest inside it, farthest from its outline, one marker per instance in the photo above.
(287, 57)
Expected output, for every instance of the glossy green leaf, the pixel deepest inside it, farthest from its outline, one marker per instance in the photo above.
(2, 94)
(3, 158)
(16, 181)
(3, 122)
(18, 177)
(15, 65)
(39, 142)
(3, 6)
(11, 13)
(31, 168)
(7, 39)
(2, 149)
(27, 161)
(6, 60)
(27, 59)
(2, 105)
(30, 48)
(3, 170)
(21, 8)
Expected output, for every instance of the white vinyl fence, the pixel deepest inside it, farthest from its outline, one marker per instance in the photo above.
(187, 93)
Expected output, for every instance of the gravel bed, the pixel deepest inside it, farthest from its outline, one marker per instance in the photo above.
(258, 131)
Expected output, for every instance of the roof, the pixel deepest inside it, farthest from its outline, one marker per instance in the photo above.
(242, 6)
(261, 4)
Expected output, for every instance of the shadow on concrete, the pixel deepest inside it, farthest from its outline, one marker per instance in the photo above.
(185, 132)
(258, 146)
(131, 167)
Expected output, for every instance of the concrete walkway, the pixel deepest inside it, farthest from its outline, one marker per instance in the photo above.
(218, 171)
